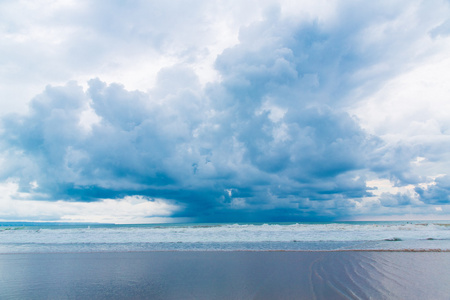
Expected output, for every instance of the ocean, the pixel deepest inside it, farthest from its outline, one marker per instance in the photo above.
(336, 236)
(341, 260)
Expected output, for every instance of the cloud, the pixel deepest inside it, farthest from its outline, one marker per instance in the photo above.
(437, 193)
(395, 200)
(181, 142)
(117, 41)
(130, 209)
(270, 137)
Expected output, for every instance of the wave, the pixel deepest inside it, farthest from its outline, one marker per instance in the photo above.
(293, 236)
(394, 239)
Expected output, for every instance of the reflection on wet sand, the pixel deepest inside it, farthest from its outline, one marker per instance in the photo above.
(226, 275)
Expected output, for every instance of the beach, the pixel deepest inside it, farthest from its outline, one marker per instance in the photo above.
(215, 149)
(226, 275)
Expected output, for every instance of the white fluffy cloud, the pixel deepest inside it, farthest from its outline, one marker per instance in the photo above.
(16, 206)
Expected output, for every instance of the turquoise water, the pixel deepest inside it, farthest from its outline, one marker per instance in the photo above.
(51, 238)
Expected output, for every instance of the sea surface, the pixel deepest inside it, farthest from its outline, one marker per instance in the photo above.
(86, 238)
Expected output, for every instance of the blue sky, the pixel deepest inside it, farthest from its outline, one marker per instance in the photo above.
(213, 111)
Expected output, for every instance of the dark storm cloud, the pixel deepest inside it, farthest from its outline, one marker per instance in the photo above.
(270, 141)
(436, 194)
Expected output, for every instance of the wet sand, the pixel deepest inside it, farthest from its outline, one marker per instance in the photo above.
(226, 275)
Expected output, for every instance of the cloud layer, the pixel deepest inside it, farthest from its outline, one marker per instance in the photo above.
(273, 136)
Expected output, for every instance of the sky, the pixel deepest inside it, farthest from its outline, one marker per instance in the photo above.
(224, 111)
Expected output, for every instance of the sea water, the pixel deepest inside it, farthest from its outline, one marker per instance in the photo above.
(66, 238)
(226, 261)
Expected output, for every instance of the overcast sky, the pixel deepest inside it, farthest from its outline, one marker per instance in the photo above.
(214, 111)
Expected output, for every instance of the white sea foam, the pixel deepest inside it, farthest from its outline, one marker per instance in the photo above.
(301, 236)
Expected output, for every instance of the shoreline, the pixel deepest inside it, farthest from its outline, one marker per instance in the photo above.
(245, 250)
